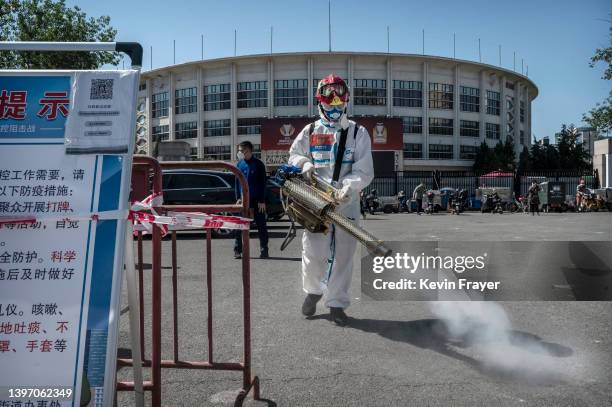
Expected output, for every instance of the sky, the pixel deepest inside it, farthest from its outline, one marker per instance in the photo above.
(555, 39)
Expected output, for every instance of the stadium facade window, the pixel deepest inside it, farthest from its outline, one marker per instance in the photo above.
(412, 124)
(522, 111)
(469, 128)
(370, 92)
(185, 130)
(186, 100)
(440, 126)
(441, 151)
(522, 137)
(249, 126)
(217, 97)
(159, 104)
(222, 153)
(408, 93)
(413, 150)
(315, 83)
(217, 128)
(194, 153)
(469, 99)
(257, 151)
(291, 92)
(160, 133)
(440, 96)
(510, 85)
(467, 152)
(252, 94)
(492, 131)
(493, 103)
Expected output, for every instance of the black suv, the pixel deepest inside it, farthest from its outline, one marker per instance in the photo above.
(207, 187)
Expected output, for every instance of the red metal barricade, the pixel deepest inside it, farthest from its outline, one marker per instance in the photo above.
(147, 179)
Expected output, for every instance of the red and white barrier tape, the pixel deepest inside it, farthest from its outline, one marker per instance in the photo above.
(145, 217)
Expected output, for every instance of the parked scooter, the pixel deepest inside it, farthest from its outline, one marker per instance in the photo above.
(492, 203)
(457, 202)
(403, 202)
(590, 202)
(372, 202)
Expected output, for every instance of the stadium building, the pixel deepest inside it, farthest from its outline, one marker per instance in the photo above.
(422, 112)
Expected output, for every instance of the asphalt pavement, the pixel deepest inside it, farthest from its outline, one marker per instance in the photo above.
(393, 353)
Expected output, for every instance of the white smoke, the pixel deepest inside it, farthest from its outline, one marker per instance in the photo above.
(483, 330)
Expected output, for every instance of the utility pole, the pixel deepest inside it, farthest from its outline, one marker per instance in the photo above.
(271, 36)
(454, 46)
(479, 51)
(235, 42)
(174, 51)
(423, 44)
(514, 61)
(329, 22)
(151, 57)
(387, 39)
(202, 38)
(500, 62)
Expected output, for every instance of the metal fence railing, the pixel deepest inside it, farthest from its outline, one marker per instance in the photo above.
(518, 182)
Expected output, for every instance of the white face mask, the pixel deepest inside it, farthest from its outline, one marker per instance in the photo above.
(240, 155)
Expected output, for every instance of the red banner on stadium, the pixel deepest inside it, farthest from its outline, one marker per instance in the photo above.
(278, 134)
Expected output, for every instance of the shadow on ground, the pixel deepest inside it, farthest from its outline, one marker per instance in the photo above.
(432, 334)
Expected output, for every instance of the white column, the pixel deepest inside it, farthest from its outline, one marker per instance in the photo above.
(233, 110)
(518, 93)
(389, 86)
(456, 123)
(270, 88)
(171, 102)
(200, 98)
(504, 110)
(149, 110)
(309, 87)
(351, 82)
(425, 112)
(482, 118)
(528, 117)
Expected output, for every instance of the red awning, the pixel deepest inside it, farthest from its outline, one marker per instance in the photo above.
(495, 174)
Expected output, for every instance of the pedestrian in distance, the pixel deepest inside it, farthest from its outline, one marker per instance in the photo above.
(254, 171)
(534, 199)
(417, 194)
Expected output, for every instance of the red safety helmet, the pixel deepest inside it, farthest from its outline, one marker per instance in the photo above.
(332, 90)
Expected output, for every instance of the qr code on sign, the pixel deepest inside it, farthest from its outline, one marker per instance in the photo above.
(101, 89)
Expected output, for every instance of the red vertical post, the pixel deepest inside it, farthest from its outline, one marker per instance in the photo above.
(246, 306)
(141, 295)
(174, 298)
(209, 294)
(156, 319)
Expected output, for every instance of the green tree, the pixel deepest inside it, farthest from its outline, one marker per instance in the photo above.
(524, 163)
(52, 20)
(600, 116)
(498, 156)
(508, 157)
(571, 155)
(482, 161)
(604, 55)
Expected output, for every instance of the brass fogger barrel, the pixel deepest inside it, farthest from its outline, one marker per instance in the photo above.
(374, 246)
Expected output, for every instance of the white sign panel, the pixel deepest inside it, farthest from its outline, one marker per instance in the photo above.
(62, 227)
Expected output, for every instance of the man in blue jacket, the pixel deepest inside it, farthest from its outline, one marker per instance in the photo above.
(255, 172)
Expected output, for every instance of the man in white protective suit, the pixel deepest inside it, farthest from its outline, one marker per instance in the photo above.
(336, 149)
